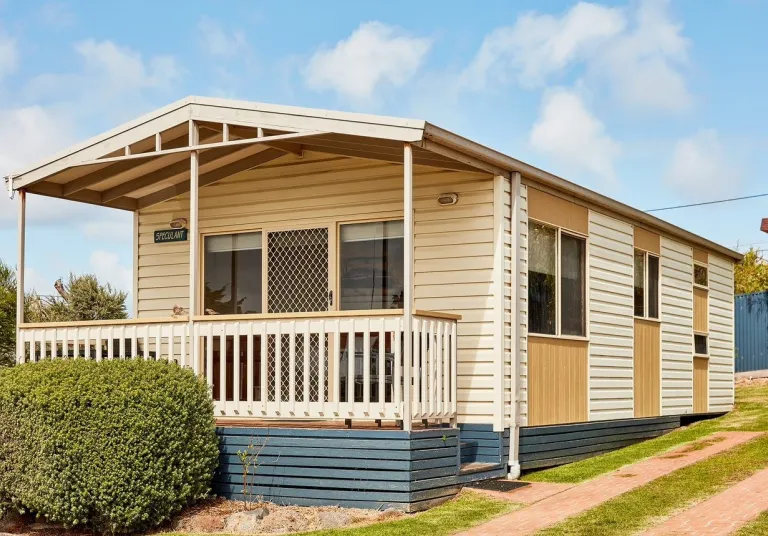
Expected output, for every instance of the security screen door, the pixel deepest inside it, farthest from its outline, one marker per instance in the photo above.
(297, 282)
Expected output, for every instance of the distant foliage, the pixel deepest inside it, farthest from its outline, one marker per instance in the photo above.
(7, 313)
(115, 447)
(751, 274)
(81, 298)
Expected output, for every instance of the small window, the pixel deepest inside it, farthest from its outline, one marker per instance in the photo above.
(371, 266)
(639, 283)
(700, 346)
(233, 275)
(556, 282)
(646, 285)
(700, 275)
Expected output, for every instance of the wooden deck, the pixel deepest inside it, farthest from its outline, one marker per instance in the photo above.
(338, 424)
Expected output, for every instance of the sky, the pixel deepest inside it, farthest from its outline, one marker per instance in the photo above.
(656, 103)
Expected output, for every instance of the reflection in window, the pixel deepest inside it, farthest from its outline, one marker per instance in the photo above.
(700, 344)
(572, 266)
(653, 286)
(542, 269)
(639, 283)
(700, 275)
(233, 275)
(371, 266)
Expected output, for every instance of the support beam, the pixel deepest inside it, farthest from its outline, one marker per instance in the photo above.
(20, 273)
(100, 175)
(407, 284)
(194, 254)
(91, 197)
(223, 172)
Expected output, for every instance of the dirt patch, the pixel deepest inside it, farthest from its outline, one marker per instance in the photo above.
(700, 444)
(751, 382)
(625, 475)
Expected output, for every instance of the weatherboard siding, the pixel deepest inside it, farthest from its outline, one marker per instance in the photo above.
(721, 334)
(454, 246)
(611, 318)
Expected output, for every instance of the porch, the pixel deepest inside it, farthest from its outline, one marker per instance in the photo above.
(334, 366)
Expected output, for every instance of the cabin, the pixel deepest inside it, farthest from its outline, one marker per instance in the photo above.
(386, 310)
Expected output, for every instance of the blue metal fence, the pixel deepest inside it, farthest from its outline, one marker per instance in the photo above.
(751, 332)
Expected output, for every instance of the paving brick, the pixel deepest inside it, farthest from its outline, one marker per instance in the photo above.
(577, 499)
(723, 513)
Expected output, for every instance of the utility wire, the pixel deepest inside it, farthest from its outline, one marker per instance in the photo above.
(709, 202)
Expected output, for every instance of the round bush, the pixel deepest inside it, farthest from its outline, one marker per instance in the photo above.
(117, 446)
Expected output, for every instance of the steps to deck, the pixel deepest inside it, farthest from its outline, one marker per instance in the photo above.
(473, 472)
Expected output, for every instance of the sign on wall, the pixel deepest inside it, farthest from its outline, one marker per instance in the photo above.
(170, 235)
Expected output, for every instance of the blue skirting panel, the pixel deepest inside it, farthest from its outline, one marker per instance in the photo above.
(480, 444)
(379, 469)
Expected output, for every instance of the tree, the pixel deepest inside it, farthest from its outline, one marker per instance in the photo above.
(7, 313)
(751, 274)
(81, 298)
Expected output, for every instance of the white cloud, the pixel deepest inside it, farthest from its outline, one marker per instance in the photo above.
(537, 46)
(217, 42)
(640, 53)
(373, 55)
(56, 14)
(9, 54)
(699, 168)
(106, 266)
(568, 132)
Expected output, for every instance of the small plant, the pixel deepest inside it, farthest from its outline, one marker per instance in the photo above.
(249, 460)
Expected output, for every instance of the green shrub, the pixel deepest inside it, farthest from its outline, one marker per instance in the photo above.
(117, 446)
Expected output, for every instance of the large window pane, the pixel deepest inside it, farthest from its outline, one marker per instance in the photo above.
(232, 267)
(639, 283)
(542, 270)
(371, 266)
(572, 285)
(653, 287)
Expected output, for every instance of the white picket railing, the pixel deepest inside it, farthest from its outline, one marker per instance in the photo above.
(311, 366)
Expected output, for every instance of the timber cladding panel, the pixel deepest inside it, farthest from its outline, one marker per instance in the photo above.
(454, 246)
(700, 385)
(647, 379)
(647, 240)
(557, 381)
(676, 327)
(548, 446)
(700, 310)
(353, 468)
(611, 318)
(721, 334)
(557, 211)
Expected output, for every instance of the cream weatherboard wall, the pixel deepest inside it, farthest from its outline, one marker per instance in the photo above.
(611, 318)
(721, 334)
(454, 246)
(676, 327)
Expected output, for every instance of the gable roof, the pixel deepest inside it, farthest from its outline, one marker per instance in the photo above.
(74, 172)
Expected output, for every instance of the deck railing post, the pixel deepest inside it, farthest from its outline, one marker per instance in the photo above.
(408, 283)
(20, 275)
(193, 245)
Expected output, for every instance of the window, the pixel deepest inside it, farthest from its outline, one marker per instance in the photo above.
(700, 344)
(646, 285)
(557, 267)
(233, 275)
(700, 276)
(371, 266)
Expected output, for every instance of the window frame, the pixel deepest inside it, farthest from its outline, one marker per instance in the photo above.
(558, 269)
(646, 293)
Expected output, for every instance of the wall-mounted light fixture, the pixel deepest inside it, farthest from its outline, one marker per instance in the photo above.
(179, 223)
(445, 200)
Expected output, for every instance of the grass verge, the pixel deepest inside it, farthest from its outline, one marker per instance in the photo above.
(750, 414)
(758, 527)
(465, 511)
(644, 506)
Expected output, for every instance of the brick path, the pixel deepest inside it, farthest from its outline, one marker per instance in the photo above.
(531, 493)
(577, 499)
(723, 513)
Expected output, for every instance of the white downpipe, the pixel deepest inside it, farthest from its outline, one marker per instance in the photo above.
(514, 428)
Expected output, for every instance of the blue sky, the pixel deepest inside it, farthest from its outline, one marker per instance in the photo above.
(653, 102)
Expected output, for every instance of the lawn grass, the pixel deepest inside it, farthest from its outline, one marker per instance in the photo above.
(643, 506)
(750, 414)
(467, 510)
(758, 527)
